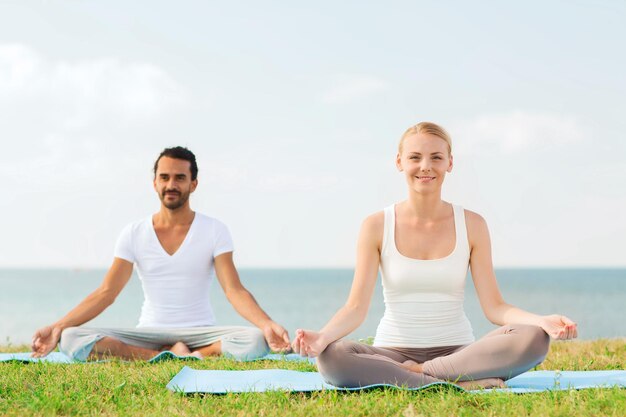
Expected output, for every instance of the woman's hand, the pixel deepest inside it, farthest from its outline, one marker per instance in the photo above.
(559, 327)
(308, 343)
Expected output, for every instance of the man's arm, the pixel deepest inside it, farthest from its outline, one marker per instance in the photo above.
(47, 338)
(245, 304)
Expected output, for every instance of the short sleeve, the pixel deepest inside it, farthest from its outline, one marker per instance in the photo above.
(223, 240)
(124, 245)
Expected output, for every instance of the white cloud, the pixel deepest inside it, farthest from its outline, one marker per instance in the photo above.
(73, 95)
(517, 131)
(349, 87)
(73, 119)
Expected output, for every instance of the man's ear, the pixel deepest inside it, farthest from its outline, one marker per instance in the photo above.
(194, 184)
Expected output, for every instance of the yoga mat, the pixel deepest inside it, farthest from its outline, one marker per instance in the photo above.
(190, 380)
(562, 380)
(58, 357)
(24, 357)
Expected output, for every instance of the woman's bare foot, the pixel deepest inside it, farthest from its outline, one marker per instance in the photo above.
(482, 384)
(412, 366)
(468, 385)
(179, 349)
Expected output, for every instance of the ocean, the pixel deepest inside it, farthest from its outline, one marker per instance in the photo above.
(307, 298)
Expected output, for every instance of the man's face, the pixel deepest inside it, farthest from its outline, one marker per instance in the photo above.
(173, 182)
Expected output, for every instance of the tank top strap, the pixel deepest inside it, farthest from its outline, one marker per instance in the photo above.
(461, 228)
(389, 227)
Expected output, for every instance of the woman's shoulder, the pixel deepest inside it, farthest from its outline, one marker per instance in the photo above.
(372, 229)
(475, 223)
(473, 217)
(374, 221)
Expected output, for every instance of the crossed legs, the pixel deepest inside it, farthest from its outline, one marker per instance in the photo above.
(502, 354)
(111, 347)
(238, 342)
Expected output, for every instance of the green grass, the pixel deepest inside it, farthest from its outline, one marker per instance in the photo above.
(117, 388)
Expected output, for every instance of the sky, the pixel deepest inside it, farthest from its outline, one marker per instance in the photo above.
(294, 111)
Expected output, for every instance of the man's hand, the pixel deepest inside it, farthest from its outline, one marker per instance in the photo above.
(559, 327)
(45, 340)
(277, 337)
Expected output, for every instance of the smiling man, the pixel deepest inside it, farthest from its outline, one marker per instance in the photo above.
(177, 252)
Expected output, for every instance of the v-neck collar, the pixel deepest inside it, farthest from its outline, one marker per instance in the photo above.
(154, 233)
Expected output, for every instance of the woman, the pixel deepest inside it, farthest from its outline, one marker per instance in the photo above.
(423, 247)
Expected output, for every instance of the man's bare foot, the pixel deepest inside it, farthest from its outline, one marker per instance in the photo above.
(179, 349)
(482, 384)
(412, 366)
(197, 354)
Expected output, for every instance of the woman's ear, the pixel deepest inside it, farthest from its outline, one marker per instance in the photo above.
(399, 163)
(451, 164)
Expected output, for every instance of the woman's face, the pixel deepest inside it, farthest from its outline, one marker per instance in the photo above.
(425, 160)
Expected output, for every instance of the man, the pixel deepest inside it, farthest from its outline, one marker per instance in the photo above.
(176, 252)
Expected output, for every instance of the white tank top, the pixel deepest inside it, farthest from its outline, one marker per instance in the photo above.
(424, 298)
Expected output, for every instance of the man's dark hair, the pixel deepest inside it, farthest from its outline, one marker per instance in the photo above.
(178, 152)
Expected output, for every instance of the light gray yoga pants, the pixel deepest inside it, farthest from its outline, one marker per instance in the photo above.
(238, 342)
(503, 353)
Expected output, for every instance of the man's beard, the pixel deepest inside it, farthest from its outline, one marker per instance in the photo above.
(173, 205)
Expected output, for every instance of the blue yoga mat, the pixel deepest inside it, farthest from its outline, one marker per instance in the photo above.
(190, 380)
(58, 357)
(53, 357)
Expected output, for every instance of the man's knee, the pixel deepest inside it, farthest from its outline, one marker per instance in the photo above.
(77, 342)
(68, 337)
(257, 344)
(245, 344)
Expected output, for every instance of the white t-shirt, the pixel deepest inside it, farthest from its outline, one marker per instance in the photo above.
(176, 287)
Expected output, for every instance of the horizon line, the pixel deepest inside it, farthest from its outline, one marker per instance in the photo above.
(278, 268)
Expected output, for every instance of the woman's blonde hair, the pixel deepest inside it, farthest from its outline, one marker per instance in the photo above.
(430, 128)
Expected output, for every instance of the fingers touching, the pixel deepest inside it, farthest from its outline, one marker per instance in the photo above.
(569, 331)
(298, 345)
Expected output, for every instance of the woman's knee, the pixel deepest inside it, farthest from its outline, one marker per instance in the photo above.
(335, 352)
(535, 343)
(336, 365)
(539, 342)
(331, 363)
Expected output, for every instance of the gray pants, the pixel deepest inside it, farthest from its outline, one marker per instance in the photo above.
(238, 342)
(504, 353)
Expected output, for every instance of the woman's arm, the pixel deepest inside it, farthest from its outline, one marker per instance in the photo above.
(493, 305)
(352, 314)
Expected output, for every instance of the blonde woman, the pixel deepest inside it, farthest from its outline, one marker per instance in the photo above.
(423, 247)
